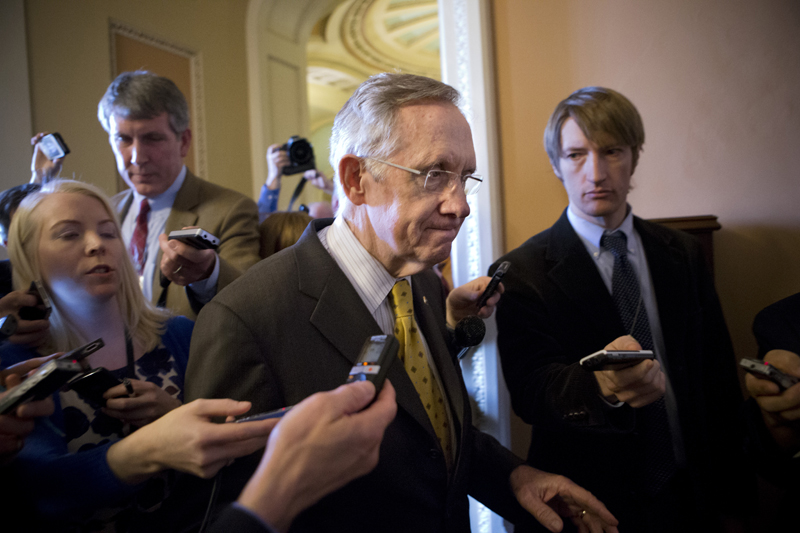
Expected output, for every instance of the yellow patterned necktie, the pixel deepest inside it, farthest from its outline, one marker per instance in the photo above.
(412, 354)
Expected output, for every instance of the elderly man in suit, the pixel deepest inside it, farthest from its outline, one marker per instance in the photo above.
(656, 441)
(294, 324)
(147, 120)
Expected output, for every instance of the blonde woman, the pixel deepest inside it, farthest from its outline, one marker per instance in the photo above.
(84, 464)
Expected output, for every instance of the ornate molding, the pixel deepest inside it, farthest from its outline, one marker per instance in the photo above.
(388, 35)
(465, 64)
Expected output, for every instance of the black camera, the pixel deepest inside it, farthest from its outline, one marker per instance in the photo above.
(301, 155)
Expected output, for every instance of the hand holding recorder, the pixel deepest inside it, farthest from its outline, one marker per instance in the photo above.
(147, 403)
(17, 422)
(637, 385)
(185, 439)
(327, 440)
(780, 408)
(31, 314)
(49, 151)
(189, 255)
(463, 301)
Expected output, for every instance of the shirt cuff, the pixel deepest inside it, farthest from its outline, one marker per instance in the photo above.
(254, 516)
(268, 201)
(609, 404)
(205, 289)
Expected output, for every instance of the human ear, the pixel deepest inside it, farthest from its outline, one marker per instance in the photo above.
(351, 178)
(557, 172)
(186, 139)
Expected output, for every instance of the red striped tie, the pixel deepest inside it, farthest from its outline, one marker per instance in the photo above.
(138, 245)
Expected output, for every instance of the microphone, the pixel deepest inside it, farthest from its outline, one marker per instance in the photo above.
(469, 332)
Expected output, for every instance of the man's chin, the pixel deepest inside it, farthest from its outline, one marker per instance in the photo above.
(438, 255)
(149, 190)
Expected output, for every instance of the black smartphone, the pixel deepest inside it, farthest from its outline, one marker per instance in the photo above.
(47, 379)
(196, 238)
(615, 359)
(763, 370)
(493, 283)
(79, 354)
(92, 385)
(41, 310)
(53, 146)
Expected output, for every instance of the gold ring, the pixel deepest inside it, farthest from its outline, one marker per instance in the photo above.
(177, 270)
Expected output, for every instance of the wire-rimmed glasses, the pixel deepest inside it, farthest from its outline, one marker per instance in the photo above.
(438, 181)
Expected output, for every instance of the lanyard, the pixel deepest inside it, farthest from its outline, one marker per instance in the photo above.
(131, 373)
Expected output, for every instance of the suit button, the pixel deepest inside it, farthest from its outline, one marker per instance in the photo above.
(433, 453)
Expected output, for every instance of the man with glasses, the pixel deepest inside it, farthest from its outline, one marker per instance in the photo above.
(655, 441)
(295, 323)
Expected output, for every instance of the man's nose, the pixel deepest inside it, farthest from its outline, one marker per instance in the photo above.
(455, 203)
(138, 153)
(597, 168)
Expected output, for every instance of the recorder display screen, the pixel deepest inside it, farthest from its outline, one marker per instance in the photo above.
(373, 352)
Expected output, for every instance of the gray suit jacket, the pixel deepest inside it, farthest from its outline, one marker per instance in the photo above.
(294, 325)
(230, 216)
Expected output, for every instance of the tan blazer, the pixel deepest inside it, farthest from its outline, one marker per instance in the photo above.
(229, 215)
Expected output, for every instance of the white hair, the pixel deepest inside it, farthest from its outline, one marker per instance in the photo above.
(365, 125)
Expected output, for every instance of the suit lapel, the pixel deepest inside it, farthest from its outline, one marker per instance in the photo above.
(342, 318)
(574, 272)
(665, 262)
(123, 204)
(430, 321)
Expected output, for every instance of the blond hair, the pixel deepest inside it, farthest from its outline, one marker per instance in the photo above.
(143, 321)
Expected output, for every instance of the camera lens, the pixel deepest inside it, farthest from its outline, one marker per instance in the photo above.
(300, 152)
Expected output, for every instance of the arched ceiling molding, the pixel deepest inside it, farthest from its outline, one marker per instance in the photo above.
(276, 32)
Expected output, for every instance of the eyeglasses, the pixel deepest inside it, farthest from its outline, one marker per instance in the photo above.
(438, 181)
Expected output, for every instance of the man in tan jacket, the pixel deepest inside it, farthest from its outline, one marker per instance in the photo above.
(147, 120)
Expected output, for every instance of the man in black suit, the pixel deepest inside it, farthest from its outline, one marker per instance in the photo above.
(655, 441)
(294, 324)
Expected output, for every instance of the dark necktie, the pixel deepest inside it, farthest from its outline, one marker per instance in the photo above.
(138, 246)
(652, 419)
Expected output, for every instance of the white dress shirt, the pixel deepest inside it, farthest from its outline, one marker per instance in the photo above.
(160, 208)
(590, 234)
(373, 285)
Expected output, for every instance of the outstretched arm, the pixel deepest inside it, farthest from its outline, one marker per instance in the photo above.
(321, 445)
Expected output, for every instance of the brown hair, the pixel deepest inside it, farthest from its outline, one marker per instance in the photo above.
(281, 230)
(602, 115)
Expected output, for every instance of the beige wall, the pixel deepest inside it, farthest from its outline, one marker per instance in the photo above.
(70, 68)
(718, 85)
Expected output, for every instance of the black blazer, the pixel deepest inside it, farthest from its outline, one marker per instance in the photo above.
(556, 309)
(293, 325)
